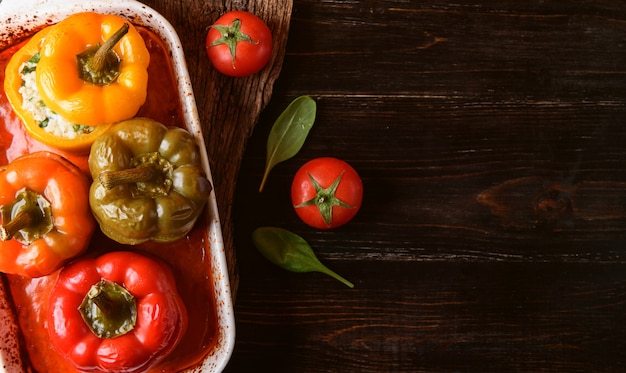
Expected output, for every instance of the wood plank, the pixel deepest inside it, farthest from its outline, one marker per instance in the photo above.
(228, 107)
(440, 105)
(488, 317)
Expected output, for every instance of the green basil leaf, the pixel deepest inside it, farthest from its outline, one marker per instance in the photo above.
(289, 132)
(290, 251)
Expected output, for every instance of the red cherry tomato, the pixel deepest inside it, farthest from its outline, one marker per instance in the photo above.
(239, 44)
(326, 192)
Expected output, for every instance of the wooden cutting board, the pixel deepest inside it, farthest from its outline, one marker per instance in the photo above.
(229, 108)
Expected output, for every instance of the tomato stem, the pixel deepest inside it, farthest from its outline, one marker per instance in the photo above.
(325, 199)
(231, 35)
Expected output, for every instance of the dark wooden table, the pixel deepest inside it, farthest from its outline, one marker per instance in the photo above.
(491, 140)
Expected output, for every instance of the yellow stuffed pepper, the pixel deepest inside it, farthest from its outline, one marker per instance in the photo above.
(72, 80)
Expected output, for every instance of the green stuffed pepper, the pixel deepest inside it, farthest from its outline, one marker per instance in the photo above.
(148, 182)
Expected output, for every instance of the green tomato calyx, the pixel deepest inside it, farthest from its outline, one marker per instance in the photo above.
(325, 199)
(231, 35)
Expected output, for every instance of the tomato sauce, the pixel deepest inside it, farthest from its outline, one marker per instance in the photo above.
(188, 257)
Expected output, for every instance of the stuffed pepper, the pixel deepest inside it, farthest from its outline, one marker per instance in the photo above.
(46, 219)
(72, 80)
(120, 312)
(148, 182)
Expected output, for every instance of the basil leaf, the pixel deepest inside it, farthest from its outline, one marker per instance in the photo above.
(289, 132)
(290, 251)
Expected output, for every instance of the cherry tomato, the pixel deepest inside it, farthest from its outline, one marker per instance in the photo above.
(326, 192)
(239, 44)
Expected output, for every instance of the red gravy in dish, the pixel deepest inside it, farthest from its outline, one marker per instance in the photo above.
(188, 257)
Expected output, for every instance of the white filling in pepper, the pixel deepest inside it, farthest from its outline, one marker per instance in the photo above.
(49, 121)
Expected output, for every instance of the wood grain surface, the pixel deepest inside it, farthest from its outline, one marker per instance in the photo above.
(228, 107)
(491, 139)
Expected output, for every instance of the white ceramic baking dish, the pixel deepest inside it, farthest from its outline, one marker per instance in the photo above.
(18, 17)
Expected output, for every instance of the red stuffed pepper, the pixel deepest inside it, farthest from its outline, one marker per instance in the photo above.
(119, 312)
(46, 219)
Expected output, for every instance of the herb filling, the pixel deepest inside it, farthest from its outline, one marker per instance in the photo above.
(48, 120)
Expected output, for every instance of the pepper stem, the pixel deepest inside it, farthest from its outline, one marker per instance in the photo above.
(101, 299)
(99, 64)
(23, 219)
(109, 309)
(111, 179)
(27, 218)
(99, 59)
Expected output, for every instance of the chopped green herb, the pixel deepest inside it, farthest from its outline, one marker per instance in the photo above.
(28, 69)
(31, 64)
(81, 128)
(44, 123)
(35, 58)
